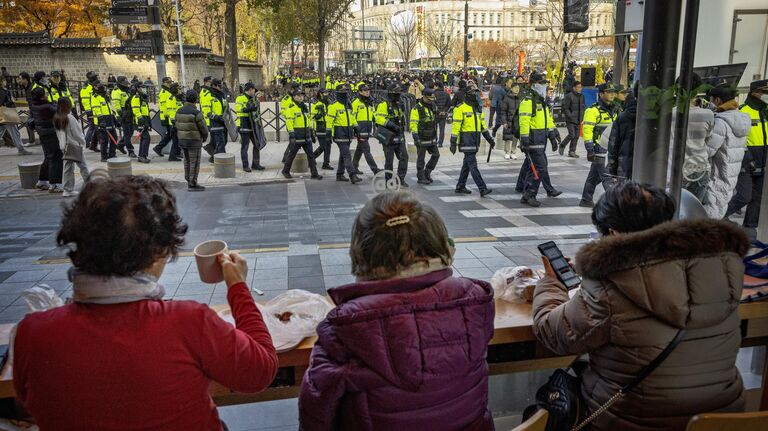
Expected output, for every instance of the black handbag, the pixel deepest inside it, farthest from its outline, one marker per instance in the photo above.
(561, 395)
(384, 135)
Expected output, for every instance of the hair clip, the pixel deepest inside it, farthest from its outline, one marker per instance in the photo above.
(395, 221)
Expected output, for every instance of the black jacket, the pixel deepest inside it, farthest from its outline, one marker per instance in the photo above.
(621, 144)
(6, 99)
(573, 107)
(508, 109)
(42, 114)
(442, 101)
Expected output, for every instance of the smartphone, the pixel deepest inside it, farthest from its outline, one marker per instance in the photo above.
(562, 268)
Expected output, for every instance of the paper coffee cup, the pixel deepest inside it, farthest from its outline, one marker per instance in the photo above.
(206, 257)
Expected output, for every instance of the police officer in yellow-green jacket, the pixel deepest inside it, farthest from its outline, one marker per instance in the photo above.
(85, 104)
(343, 127)
(597, 118)
(424, 131)
(285, 103)
(140, 110)
(205, 97)
(173, 103)
(121, 98)
(365, 115)
(467, 127)
(162, 100)
(215, 111)
(749, 189)
(391, 119)
(319, 113)
(104, 120)
(298, 121)
(58, 88)
(536, 127)
(248, 113)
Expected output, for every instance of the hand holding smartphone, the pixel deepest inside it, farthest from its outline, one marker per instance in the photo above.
(561, 268)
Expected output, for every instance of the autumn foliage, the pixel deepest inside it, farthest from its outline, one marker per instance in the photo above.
(69, 18)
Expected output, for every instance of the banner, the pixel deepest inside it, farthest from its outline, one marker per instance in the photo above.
(520, 62)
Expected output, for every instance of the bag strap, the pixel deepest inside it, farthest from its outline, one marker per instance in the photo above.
(645, 372)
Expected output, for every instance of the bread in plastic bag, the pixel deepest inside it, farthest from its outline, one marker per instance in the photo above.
(515, 284)
(291, 316)
(41, 298)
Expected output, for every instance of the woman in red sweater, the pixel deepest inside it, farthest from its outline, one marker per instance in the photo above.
(119, 357)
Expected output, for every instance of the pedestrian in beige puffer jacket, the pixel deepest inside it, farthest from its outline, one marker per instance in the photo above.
(643, 281)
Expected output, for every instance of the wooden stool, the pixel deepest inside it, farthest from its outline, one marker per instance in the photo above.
(119, 167)
(29, 173)
(224, 165)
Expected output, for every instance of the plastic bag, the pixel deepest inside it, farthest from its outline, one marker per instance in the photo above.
(515, 284)
(41, 298)
(291, 316)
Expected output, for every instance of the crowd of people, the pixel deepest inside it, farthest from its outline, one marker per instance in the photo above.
(406, 345)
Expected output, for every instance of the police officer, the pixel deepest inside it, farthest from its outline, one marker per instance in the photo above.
(389, 115)
(320, 120)
(173, 103)
(58, 88)
(424, 131)
(248, 120)
(285, 103)
(162, 107)
(121, 105)
(104, 120)
(365, 116)
(597, 118)
(205, 100)
(214, 112)
(749, 189)
(38, 81)
(342, 124)
(298, 121)
(536, 127)
(140, 110)
(85, 104)
(468, 124)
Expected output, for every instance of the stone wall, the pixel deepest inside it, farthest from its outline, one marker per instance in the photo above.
(77, 61)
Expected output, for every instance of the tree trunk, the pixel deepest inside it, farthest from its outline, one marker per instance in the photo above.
(231, 72)
(442, 61)
(321, 59)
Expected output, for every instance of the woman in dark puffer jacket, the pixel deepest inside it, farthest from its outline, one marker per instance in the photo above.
(42, 115)
(405, 347)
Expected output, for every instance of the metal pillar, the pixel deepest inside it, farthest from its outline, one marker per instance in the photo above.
(658, 68)
(683, 99)
(620, 46)
(157, 39)
(181, 47)
(466, 34)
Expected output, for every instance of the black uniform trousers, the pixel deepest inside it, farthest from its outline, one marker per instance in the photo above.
(345, 160)
(127, 135)
(107, 141)
(596, 176)
(469, 166)
(91, 137)
(748, 191)
(434, 156)
(537, 157)
(324, 148)
(293, 149)
(399, 150)
(245, 140)
(166, 139)
(219, 141)
(364, 149)
(572, 138)
(144, 141)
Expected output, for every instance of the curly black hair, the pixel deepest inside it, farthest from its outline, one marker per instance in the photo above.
(121, 226)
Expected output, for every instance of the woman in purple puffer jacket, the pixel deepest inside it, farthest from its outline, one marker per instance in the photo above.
(405, 348)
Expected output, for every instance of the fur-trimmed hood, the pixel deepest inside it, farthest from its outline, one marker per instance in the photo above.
(668, 241)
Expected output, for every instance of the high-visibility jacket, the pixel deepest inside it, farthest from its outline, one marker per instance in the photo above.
(247, 109)
(216, 107)
(468, 125)
(57, 93)
(298, 121)
(597, 118)
(172, 104)
(119, 100)
(535, 122)
(320, 118)
(384, 115)
(423, 123)
(162, 98)
(757, 138)
(205, 103)
(365, 115)
(44, 87)
(103, 115)
(285, 103)
(341, 121)
(85, 98)
(140, 108)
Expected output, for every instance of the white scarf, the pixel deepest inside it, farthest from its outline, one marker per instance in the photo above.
(98, 289)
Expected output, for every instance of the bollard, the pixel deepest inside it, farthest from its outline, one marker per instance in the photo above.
(300, 164)
(29, 172)
(119, 167)
(224, 165)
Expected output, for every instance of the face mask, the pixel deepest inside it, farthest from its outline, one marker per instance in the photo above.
(540, 89)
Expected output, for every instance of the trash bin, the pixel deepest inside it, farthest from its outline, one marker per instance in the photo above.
(300, 164)
(224, 165)
(29, 172)
(119, 167)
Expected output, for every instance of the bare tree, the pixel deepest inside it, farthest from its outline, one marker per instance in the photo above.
(442, 38)
(402, 32)
(551, 17)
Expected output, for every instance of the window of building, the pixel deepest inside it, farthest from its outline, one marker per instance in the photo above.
(498, 34)
(530, 18)
(482, 19)
(474, 18)
(482, 34)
